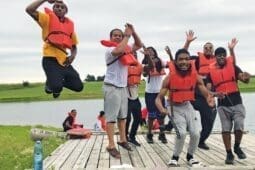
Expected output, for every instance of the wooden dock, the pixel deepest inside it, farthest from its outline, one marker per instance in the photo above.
(91, 154)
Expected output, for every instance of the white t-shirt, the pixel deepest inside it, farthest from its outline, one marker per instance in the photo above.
(155, 83)
(116, 73)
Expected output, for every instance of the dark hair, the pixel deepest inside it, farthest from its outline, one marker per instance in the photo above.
(180, 51)
(73, 110)
(101, 113)
(116, 29)
(220, 50)
(158, 64)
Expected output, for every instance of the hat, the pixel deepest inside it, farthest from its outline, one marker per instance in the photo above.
(220, 50)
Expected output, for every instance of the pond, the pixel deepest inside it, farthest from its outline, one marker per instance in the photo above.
(52, 113)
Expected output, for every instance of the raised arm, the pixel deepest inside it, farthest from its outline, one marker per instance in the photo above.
(31, 9)
(169, 53)
(189, 38)
(161, 95)
(120, 49)
(137, 41)
(231, 46)
(149, 64)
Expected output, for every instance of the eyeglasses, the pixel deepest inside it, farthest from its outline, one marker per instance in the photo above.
(208, 48)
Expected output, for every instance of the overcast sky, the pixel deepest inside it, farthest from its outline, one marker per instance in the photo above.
(158, 23)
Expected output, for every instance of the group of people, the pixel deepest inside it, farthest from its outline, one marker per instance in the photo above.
(191, 85)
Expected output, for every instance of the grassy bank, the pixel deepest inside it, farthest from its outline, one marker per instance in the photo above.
(92, 90)
(16, 147)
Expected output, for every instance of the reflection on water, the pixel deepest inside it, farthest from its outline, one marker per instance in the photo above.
(53, 113)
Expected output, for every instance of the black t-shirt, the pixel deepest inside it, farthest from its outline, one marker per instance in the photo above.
(70, 120)
(231, 99)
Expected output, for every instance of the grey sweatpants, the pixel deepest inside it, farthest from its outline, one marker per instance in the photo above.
(186, 118)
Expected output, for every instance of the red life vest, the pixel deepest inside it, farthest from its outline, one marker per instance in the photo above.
(182, 88)
(204, 63)
(224, 79)
(60, 33)
(126, 59)
(134, 74)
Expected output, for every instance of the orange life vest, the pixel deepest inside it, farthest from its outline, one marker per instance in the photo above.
(224, 79)
(204, 63)
(134, 74)
(126, 59)
(103, 122)
(60, 33)
(182, 88)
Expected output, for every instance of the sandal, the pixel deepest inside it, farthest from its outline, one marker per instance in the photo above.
(125, 145)
(113, 152)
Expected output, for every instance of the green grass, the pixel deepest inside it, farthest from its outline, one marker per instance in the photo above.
(16, 147)
(92, 90)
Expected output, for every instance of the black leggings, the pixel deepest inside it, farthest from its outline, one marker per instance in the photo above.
(134, 107)
(59, 76)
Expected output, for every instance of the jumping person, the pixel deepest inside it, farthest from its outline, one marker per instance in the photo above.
(223, 76)
(58, 35)
(207, 113)
(181, 82)
(118, 56)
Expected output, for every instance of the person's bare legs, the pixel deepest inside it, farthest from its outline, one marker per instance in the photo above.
(226, 136)
(122, 130)
(110, 134)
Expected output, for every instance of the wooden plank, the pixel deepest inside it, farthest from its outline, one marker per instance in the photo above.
(115, 161)
(66, 153)
(154, 156)
(145, 157)
(70, 162)
(125, 159)
(135, 157)
(104, 160)
(84, 156)
(94, 156)
(48, 160)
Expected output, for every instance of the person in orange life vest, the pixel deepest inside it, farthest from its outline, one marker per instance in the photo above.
(207, 113)
(115, 85)
(223, 76)
(181, 82)
(69, 122)
(144, 116)
(58, 36)
(134, 104)
(154, 75)
(101, 122)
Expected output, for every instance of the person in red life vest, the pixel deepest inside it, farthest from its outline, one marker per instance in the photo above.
(70, 122)
(115, 84)
(101, 122)
(144, 116)
(154, 76)
(207, 113)
(59, 36)
(134, 104)
(224, 75)
(181, 82)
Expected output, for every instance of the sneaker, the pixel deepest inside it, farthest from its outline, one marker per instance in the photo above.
(149, 138)
(134, 142)
(229, 159)
(55, 95)
(162, 137)
(173, 163)
(47, 88)
(203, 146)
(194, 163)
(240, 153)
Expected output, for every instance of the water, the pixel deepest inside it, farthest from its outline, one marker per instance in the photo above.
(53, 113)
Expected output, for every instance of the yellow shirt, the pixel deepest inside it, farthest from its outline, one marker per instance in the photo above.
(48, 49)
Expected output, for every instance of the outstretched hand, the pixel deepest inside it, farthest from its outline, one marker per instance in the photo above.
(190, 36)
(232, 44)
(167, 49)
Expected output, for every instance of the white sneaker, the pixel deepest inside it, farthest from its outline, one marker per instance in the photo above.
(172, 162)
(195, 163)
